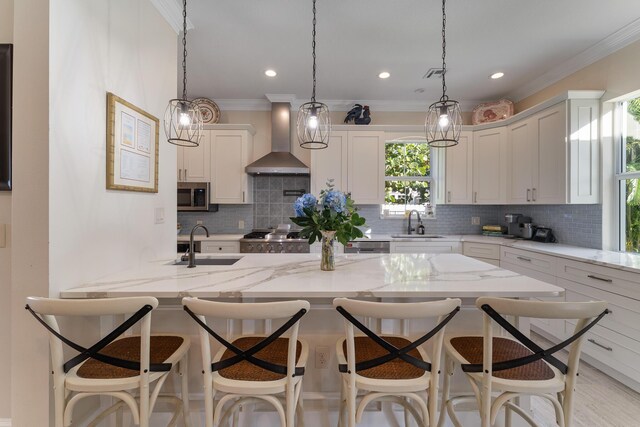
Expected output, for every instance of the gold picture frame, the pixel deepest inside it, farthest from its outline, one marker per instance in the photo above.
(132, 150)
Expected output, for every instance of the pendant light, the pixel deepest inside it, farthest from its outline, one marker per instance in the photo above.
(444, 119)
(314, 124)
(183, 119)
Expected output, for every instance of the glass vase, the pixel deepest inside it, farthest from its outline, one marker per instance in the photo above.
(327, 263)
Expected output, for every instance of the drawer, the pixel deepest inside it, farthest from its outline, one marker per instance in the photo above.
(529, 272)
(425, 248)
(612, 349)
(210, 247)
(495, 262)
(624, 317)
(530, 260)
(481, 250)
(623, 283)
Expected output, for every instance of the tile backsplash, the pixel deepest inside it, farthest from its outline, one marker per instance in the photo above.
(578, 225)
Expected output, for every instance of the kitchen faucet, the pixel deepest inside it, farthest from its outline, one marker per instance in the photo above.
(409, 229)
(192, 255)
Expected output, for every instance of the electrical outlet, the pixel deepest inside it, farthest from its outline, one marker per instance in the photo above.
(475, 220)
(322, 357)
(241, 224)
(199, 222)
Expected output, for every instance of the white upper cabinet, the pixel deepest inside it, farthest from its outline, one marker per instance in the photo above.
(193, 162)
(490, 166)
(330, 163)
(231, 151)
(553, 155)
(459, 171)
(365, 172)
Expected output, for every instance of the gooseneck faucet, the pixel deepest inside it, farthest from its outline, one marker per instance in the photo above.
(409, 229)
(192, 255)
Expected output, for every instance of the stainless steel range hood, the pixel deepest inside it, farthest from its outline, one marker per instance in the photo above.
(279, 161)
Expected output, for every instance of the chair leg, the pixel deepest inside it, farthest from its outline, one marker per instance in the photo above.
(184, 378)
(290, 406)
(300, 407)
(507, 416)
(343, 404)
(446, 384)
(406, 414)
(351, 406)
(209, 397)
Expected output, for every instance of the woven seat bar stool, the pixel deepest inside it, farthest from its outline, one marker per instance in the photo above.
(252, 367)
(391, 367)
(501, 369)
(122, 367)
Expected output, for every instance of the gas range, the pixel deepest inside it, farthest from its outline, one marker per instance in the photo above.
(273, 241)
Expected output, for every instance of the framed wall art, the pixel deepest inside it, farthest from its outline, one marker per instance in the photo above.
(6, 90)
(132, 147)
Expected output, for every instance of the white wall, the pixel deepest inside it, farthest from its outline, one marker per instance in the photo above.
(98, 46)
(6, 36)
(67, 227)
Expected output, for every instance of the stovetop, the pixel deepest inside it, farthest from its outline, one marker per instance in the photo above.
(260, 235)
(269, 241)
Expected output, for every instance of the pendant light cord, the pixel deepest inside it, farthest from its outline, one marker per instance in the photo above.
(184, 50)
(313, 47)
(444, 96)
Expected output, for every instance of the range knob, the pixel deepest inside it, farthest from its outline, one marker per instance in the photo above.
(280, 248)
(259, 247)
(269, 248)
(299, 248)
(249, 247)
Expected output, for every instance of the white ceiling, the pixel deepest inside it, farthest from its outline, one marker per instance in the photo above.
(233, 42)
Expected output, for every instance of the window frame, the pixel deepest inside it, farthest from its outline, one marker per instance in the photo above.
(385, 212)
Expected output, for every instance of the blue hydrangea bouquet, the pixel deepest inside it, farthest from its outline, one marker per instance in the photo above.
(334, 211)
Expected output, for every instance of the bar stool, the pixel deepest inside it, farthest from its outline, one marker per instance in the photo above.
(391, 367)
(114, 366)
(515, 366)
(252, 367)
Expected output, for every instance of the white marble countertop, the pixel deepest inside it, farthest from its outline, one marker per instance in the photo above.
(213, 237)
(299, 276)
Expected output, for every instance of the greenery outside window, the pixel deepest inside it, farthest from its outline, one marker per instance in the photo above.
(408, 176)
(628, 175)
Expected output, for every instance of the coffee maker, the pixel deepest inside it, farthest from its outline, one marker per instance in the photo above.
(519, 225)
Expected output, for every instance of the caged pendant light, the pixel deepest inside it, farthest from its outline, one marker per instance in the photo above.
(444, 119)
(314, 124)
(182, 118)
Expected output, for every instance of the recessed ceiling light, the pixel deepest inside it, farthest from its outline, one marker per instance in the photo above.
(497, 75)
(270, 73)
(384, 75)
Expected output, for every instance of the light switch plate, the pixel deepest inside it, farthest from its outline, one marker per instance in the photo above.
(475, 220)
(3, 235)
(159, 214)
(241, 224)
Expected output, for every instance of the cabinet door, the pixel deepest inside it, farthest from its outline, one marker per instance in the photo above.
(550, 176)
(228, 160)
(330, 163)
(459, 172)
(489, 166)
(196, 166)
(425, 247)
(521, 160)
(366, 167)
(584, 160)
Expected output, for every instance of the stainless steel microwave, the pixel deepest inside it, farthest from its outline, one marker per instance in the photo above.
(193, 196)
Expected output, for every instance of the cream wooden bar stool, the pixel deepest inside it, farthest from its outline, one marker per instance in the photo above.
(252, 367)
(391, 367)
(516, 366)
(120, 367)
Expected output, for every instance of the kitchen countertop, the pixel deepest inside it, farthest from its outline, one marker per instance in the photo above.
(356, 275)
(617, 260)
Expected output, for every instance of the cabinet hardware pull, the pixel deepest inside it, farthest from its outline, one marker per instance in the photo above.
(592, 341)
(533, 194)
(528, 194)
(475, 197)
(521, 258)
(185, 174)
(449, 196)
(243, 197)
(602, 279)
(179, 174)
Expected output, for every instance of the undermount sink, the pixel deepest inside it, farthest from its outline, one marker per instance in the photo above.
(415, 236)
(211, 261)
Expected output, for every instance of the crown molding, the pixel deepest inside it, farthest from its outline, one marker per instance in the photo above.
(605, 47)
(333, 104)
(171, 11)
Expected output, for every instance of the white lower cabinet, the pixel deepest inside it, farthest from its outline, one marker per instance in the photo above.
(214, 247)
(425, 248)
(485, 252)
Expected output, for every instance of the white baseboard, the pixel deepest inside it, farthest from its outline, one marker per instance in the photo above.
(5, 422)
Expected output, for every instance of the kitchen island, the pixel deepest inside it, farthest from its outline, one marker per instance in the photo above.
(269, 277)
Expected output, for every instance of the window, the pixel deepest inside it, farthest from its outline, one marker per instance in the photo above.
(408, 176)
(628, 175)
